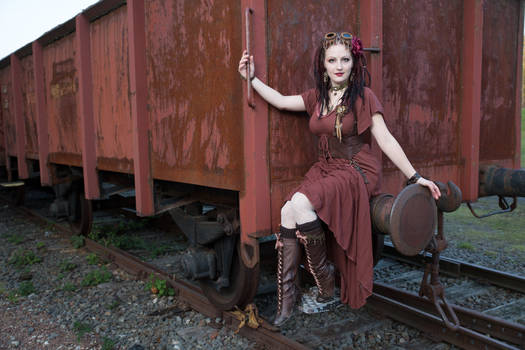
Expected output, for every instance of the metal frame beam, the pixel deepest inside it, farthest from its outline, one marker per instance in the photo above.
(254, 199)
(20, 125)
(471, 96)
(41, 114)
(139, 112)
(519, 73)
(85, 107)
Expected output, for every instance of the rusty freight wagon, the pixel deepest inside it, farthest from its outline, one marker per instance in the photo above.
(145, 95)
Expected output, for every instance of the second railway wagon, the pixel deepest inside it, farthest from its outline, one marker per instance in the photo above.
(145, 95)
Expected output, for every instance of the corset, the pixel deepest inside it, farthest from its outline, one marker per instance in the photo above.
(330, 147)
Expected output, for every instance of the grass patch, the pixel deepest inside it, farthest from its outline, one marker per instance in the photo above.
(491, 254)
(69, 287)
(67, 265)
(120, 236)
(96, 277)
(81, 329)
(159, 287)
(77, 241)
(26, 288)
(115, 236)
(15, 239)
(108, 344)
(40, 245)
(520, 248)
(12, 297)
(466, 245)
(113, 305)
(93, 259)
(499, 234)
(23, 258)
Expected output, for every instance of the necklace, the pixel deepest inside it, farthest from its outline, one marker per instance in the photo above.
(335, 89)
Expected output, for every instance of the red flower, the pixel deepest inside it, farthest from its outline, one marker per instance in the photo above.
(357, 46)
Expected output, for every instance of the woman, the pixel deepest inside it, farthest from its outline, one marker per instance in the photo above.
(337, 188)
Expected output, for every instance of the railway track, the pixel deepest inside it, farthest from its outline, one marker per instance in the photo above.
(484, 332)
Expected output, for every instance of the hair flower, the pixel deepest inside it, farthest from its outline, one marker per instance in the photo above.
(357, 46)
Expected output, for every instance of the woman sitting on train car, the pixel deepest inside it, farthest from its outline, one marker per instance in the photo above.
(337, 188)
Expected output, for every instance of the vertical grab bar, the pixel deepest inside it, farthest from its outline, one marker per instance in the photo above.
(249, 90)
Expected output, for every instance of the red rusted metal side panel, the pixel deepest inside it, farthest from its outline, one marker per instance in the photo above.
(471, 98)
(519, 87)
(138, 89)
(295, 28)
(422, 50)
(28, 107)
(501, 36)
(255, 197)
(61, 96)
(2, 112)
(111, 99)
(371, 33)
(41, 113)
(5, 88)
(85, 107)
(9, 116)
(194, 91)
(16, 79)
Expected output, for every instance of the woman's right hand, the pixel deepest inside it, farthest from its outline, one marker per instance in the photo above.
(242, 65)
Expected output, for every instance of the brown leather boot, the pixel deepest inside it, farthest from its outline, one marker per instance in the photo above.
(287, 289)
(313, 238)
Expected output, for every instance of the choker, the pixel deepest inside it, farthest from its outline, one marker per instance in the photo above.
(336, 89)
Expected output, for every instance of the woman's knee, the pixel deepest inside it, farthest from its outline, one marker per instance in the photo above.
(304, 210)
(287, 214)
(301, 203)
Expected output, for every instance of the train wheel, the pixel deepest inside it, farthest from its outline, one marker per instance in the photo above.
(243, 286)
(81, 217)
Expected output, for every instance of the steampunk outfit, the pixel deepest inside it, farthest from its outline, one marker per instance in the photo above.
(339, 186)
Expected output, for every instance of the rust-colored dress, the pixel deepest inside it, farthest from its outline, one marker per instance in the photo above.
(340, 196)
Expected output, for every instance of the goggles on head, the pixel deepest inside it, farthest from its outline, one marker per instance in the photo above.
(332, 38)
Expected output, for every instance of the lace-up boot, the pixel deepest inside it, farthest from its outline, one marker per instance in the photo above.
(312, 236)
(288, 291)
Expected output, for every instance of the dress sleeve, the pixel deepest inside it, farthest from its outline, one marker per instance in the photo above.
(310, 100)
(369, 107)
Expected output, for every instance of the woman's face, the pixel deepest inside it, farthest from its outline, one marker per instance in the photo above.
(338, 64)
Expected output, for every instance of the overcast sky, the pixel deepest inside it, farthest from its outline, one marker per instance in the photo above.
(22, 21)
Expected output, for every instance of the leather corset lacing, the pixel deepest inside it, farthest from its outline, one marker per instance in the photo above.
(330, 148)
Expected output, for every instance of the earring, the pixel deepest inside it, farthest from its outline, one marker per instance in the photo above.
(325, 77)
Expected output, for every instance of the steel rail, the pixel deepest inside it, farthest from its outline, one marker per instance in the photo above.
(419, 313)
(189, 293)
(458, 268)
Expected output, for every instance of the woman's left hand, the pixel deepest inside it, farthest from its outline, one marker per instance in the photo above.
(434, 190)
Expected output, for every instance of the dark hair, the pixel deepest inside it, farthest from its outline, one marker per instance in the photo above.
(358, 79)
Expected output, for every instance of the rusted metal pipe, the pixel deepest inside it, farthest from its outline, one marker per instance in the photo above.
(494, 180)
(380, 208)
